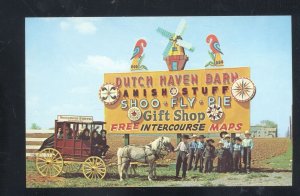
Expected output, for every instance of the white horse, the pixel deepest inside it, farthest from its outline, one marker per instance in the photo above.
(144, 154)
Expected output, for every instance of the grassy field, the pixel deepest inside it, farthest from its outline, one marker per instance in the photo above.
(275, 170)
(283, 161)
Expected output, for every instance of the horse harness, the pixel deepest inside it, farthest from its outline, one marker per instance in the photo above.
(146, 155)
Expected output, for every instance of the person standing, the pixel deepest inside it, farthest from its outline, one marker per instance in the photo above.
(228, 153)
(192, 151)
(199, 152)
(209, 155)
(222, 135)
(247, 144)
(237, 154)
(220, 153)
(183, 148)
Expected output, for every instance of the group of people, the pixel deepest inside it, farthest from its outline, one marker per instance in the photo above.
(230, 153)
(98, 141)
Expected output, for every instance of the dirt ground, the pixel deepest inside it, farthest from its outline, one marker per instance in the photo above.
(263, 148)
(270, 162)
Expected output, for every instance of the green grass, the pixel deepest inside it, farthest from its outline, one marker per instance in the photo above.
(165, 175)
(281, 161)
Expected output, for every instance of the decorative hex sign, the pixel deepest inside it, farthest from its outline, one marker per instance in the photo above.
(134, 113)
(109, 93)
(214, 112)
(173, 91)
(243, 90)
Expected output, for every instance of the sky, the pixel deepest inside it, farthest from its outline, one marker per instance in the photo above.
(66, 59)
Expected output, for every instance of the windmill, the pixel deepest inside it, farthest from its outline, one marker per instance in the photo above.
(174, 54)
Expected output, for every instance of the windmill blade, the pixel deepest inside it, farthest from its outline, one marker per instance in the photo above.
(165, 33)
(185, 45)
(181, 27)
(167, 49)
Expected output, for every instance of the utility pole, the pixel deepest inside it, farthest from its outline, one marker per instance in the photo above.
(291, 129)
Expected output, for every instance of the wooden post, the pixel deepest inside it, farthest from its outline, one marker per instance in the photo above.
(126, 139)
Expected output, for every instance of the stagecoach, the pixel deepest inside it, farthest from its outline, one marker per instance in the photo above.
(70, 152)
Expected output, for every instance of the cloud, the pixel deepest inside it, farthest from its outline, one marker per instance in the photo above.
(104, 64)
(86, 28)
(81, 25)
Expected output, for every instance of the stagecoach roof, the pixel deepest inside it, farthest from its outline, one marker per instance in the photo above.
(76, 122)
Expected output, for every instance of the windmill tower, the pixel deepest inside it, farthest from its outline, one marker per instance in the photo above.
(174, 53)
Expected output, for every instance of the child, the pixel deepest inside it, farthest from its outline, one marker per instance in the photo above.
(237, 154)
(247, 148)
(103, 147)
(199, 152)
(183, 148)
(228, 153)
(192, 151)
(209, 155)
(220, 153)
(222, 135)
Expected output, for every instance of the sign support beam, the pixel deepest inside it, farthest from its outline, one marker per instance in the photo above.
(126, 139)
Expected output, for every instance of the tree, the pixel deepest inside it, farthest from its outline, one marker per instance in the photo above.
(268, 123)
(35, 126)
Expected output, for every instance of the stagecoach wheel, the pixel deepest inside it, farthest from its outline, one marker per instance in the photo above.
(94, 168)
(71, 167)
(49, 162)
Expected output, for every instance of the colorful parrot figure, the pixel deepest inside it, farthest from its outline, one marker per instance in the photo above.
(214, 45)
(138, 56)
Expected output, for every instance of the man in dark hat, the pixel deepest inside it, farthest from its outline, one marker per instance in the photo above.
(237, 154)
(183, 148)
(199, 152)
(209, 155)
(192, 151)
(228, 153)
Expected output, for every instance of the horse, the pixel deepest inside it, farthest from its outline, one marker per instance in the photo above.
(143, 154)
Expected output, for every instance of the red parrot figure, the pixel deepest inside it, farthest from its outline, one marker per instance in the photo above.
(216, 52)
(213, 42)
(138, 56)
(138, 49)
